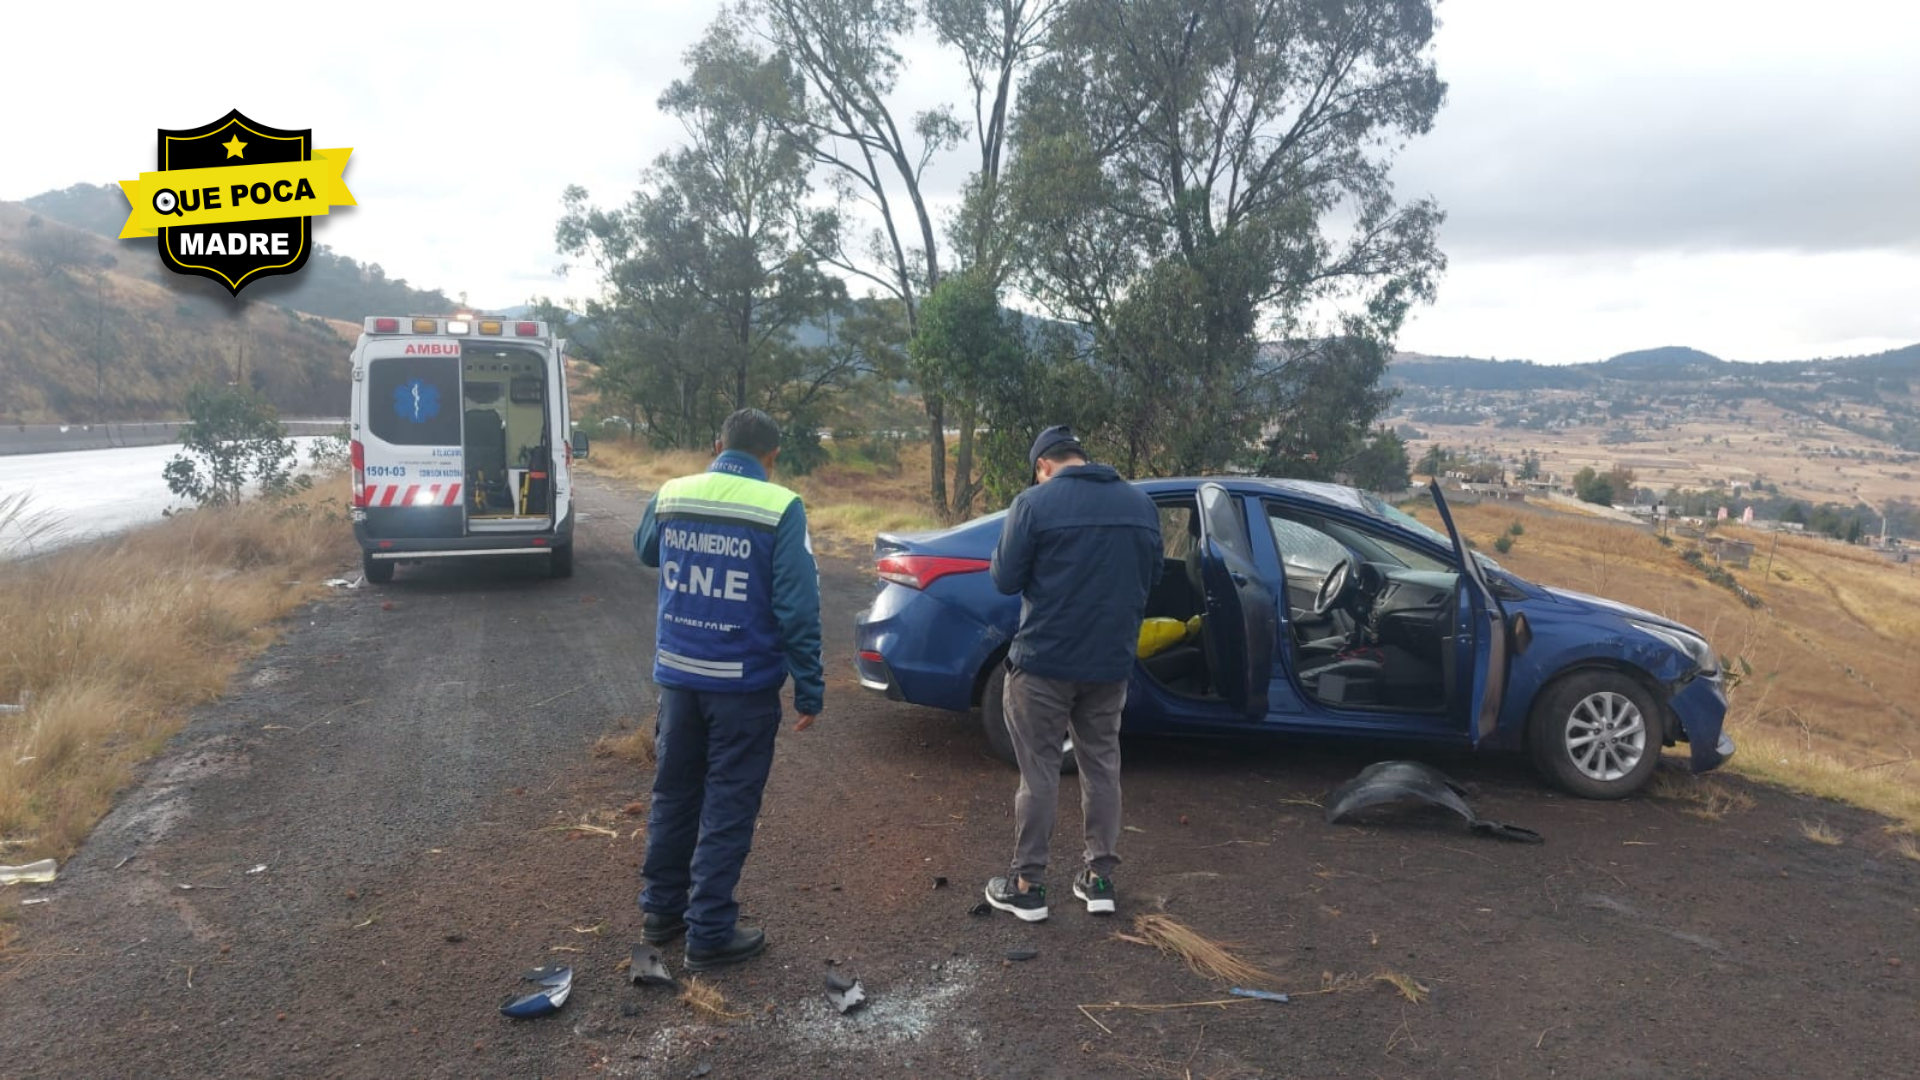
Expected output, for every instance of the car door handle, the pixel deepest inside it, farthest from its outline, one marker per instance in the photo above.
(1237, 577)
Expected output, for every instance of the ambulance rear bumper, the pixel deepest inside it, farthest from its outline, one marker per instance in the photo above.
(435, 533)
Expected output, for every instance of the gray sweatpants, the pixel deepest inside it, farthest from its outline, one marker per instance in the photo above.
(1040, 711)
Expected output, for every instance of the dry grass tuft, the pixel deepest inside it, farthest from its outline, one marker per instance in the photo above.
(1705, 797)
(1906, 848)
(1819, 833)
(118, 640)
(1207, 958)
(707, 1000)
(634, 746)
(1408, 987)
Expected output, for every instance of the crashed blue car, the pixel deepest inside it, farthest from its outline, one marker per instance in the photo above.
(1326, 612)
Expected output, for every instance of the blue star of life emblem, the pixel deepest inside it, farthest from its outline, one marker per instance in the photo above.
(416, 401)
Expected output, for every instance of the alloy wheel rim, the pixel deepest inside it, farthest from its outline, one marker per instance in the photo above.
(1606, 736)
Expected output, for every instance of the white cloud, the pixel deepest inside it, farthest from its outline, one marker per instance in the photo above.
(1734, 176)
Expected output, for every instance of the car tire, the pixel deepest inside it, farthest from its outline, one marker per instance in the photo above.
(993, 720)
(560, 563)
(1596, 734)
(378, 571)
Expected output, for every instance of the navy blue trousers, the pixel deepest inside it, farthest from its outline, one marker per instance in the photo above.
(714, 752)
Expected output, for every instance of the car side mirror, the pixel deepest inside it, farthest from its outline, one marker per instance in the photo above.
(580, 442)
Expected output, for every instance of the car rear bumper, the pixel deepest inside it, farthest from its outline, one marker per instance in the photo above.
(911, 647)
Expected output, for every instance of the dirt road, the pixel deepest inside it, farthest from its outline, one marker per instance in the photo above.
(404, 765)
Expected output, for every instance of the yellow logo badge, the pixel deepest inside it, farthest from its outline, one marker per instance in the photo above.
(234, 200)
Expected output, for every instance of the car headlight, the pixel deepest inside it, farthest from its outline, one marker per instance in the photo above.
(1693, 645)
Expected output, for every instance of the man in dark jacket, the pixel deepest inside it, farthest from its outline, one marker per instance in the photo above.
(739, 610)
(1082, 548)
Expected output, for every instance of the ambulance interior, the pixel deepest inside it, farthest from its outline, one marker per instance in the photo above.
(508, 448)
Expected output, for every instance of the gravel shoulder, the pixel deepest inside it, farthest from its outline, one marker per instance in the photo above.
(407, 761)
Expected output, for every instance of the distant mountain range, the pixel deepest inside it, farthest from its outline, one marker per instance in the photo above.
(1670, 363)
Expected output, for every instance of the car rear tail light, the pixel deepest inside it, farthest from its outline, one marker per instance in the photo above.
(527, 329)
(357, 456)
(386, 326)
(872, 657)
(921, 571)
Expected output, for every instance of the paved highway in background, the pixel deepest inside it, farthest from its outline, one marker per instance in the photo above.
(86, 494)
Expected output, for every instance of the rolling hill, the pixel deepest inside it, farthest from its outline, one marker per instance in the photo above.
(94, 328)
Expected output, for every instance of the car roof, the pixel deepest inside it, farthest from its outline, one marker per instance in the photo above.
(1337, 496)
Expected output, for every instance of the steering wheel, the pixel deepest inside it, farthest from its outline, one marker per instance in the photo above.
(1333, 588)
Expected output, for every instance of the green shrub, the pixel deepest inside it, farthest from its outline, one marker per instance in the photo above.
(1504, 544)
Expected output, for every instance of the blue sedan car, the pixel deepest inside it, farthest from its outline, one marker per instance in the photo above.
(1326, 612)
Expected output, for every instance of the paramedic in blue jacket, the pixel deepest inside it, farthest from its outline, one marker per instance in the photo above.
(1082, 548)
(739, 611)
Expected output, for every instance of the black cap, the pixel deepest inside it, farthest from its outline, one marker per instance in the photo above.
(1058, 437)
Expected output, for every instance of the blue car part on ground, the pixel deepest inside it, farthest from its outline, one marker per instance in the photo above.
(1397, 781)
(555, 982)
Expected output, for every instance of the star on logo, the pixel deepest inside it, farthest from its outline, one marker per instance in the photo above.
(234, 146)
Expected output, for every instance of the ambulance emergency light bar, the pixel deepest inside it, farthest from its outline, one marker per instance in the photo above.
(436, 325)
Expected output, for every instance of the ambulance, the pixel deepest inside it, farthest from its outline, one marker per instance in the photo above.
(461, 442)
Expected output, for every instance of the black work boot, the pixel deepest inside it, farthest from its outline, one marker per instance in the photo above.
(746, 945)
(658, 928)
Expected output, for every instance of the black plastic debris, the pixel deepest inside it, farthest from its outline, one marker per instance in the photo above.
(846, 994)
(1395, 781)
(646, 967)
(555, 982)
(1022, 954)
(981, 908)
(939, 883)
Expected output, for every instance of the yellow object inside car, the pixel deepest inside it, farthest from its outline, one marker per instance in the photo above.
(1158, 634)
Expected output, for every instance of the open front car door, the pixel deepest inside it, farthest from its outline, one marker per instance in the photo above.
(1486, 635)
(1239, 624)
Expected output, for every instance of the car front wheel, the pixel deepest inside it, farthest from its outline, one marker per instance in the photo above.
(1596, 734)
(993, 720)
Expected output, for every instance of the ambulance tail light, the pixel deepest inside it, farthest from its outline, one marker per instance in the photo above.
(386, 326)
(921, 571)
(489, 326)
(425, 326)
(456, 326)
(357, 455)
(527, 329)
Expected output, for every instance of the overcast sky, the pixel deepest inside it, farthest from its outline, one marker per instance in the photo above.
(1739, 176)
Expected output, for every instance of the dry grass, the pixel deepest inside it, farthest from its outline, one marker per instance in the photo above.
(847, 501)
(707, 1000)
(1207, 958)
(1820, 833)
(117, 641)
(1906, 848)
(634, 746)
(1702, 796)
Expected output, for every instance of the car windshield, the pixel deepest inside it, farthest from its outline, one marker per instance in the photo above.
(1413, 524)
